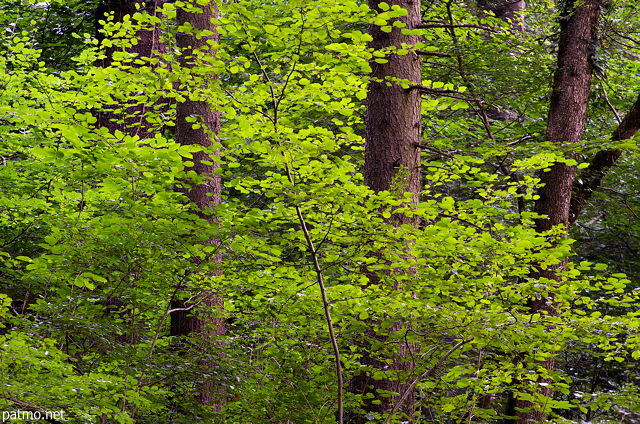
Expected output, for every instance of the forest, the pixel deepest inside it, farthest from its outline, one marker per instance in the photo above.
(400, 211)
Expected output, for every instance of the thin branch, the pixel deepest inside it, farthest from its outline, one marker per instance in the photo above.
(443, 65)
(255, 109)
(453, 94)
(427, 26)
(593, 175)
(438, 54)
(626, 37)
(423, 375)
(166, 314)
(193, 305)
(181, 284)
(621, 193)
(433, 150)
(20, 234)
(433, 91)
(464, 221)
(521, 139)
(613, 109)
(626, 203)
(325, 304)
(629, 46)
(293, 67)
(273, 93)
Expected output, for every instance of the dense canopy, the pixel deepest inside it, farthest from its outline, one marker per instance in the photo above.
(319, 211)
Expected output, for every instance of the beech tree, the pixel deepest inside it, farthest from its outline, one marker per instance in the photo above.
(364, 201)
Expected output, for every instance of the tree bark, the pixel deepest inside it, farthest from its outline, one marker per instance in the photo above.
(566, 123)
(568, 110)
(204, 195)
(131, 120)
(393, 134)
(392, 162)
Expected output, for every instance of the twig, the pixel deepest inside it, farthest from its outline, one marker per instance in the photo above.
(521, 139)
(433, 150)
(427, 26)
(423, 375)
(438, 54)
(435, 91)
(325, 303)
(613, 109)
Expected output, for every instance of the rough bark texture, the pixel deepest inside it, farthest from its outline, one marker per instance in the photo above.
(603, 160)
(148, 41)
(148, 45)
(392, 153)
(568, 111)
(131, 120)
(566, 123)
(204, 195)
(392, 162)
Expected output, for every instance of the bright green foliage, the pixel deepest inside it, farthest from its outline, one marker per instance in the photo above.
(96, 240)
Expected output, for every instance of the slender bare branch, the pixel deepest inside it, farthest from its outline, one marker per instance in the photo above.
(484, 28)
(423, 375)
(437, 54)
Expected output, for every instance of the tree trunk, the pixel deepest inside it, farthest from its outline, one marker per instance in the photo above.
(393, 136)
(566, 123)
(148, 45)
(392, 162)
(568, 111)
(203, 195)
(131, 120)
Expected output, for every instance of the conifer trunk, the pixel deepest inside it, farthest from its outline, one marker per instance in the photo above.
(566, 124)
(392, 120)
(568, 110)
(392, 162)
(507, 10)
(131, 120)
(205, 195)
(148, 45)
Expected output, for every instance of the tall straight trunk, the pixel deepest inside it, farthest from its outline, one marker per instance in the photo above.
(568, 110)
(566, 123)
(393, 129)
(204, 195)
(392, 162)
(130, 121)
